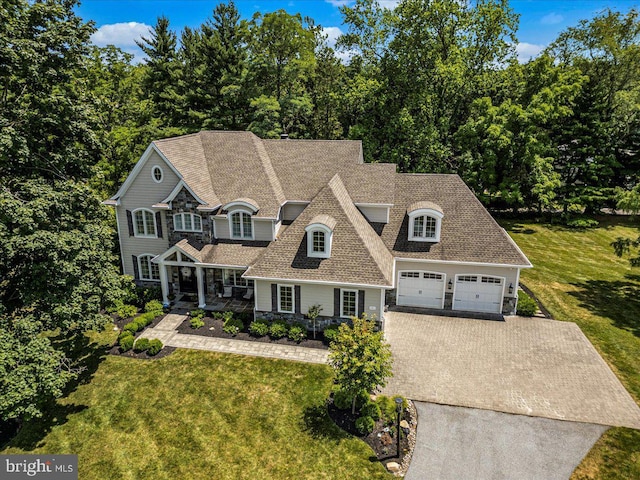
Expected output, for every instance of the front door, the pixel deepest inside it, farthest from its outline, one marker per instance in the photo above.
(188, 280)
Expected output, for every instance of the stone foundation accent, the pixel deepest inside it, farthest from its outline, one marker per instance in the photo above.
(509, 305)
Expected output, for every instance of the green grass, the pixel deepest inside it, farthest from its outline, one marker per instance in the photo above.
(199, 415)
(579, 279)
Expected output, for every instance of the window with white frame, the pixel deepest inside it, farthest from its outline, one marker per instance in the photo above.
(234, 278)
(241, 226)
(285, 299)
(348, 303)
(147, 269)
(319, 239)
(424, 225)
(187, 222)
(157, 174)
(144, 223)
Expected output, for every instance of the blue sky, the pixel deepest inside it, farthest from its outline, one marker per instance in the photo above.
(120, 22)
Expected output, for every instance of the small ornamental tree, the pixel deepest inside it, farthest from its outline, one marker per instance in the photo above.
(312, 313)
(360, 358)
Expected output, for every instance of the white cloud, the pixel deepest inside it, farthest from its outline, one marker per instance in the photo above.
(552, 18)
(526, 51)
(338, 3)
(332, 34)
(121, 35)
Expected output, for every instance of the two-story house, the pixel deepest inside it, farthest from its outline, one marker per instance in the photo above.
(293, 223)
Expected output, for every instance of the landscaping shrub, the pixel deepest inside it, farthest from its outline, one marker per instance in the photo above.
(141, 345)
(227, 316)
(582, 223)
(527, 306)
(331, 332)
(126, 343)
(196, 322)
(123, 334)
(278, 329)
(362, 399)
(297, 332)
(146, 318)
(372, 410)
(233, 326)
(154, 306)
(132, 327)
(113, 308)
(155, 346)
(146, 294)
(341, 400)
(218, 315)
(364, 425)
(198, 312)
(259, 328)
(388, 407)
(126, 311)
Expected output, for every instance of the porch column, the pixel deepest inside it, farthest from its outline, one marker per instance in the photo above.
(200, 277)
(164, 283)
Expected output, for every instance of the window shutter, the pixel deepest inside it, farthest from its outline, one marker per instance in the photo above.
(159, 224)
(360, 303)
(336, 302)
(130, 222)
(136, 272)
(297, 293)
(274, 297)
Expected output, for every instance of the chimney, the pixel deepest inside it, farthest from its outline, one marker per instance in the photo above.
(284, 136)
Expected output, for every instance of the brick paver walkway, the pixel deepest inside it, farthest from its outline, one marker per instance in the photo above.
(530, 366)
(166, 332)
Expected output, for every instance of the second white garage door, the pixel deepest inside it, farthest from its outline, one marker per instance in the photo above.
(478, 293)
(421, 289)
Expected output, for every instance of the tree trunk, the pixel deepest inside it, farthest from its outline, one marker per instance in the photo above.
(353, 405)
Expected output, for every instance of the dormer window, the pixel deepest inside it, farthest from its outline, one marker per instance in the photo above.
(241, 226)
(319, 236)
(187, 222)
(425, 220)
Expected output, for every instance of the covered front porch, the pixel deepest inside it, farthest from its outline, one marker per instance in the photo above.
(185, 278)
(185, 303)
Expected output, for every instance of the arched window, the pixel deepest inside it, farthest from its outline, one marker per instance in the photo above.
(240, 224)
(425, 221)
(187, 222)
(148, 270)
(320, 236)
(144, 223)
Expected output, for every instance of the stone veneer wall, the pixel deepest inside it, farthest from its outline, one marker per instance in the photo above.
(322, 322)
(185, 203)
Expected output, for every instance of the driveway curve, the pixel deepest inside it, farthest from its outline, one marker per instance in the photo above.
(528, 366)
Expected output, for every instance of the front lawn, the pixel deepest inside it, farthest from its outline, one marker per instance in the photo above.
(202, 415)
(579, 279)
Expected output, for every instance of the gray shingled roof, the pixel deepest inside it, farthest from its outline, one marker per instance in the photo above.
(358, 255)
(468, 234)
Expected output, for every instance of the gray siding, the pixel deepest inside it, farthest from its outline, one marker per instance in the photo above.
(375, 214)
(291, 211)
(143, 193)
(263, 230)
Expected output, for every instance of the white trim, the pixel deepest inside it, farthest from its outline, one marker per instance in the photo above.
(221, 265)
(160, 258)
(328, 240)
(111, 203)
(317, 282)
(479, 275)
(134, 173)
(455, 262)
(153, 174)
(179, 186)
(240, 203)
(151, 257)
(135, 224)
(342, 291)
(425, 212)
(230, 220)
(192, 215)
(388, 205)
(444, 285)
(293, 298)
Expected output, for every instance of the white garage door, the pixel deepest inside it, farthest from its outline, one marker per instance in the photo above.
(421, 289)
(478, 293)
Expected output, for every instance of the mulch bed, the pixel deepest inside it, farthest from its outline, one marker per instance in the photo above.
(383, 439)
(213, 328)
(115, 349)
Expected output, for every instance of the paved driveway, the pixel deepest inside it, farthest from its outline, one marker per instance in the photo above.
(528, 366)
(463, 443)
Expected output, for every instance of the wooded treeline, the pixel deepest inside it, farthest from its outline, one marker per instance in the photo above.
(433, 86)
